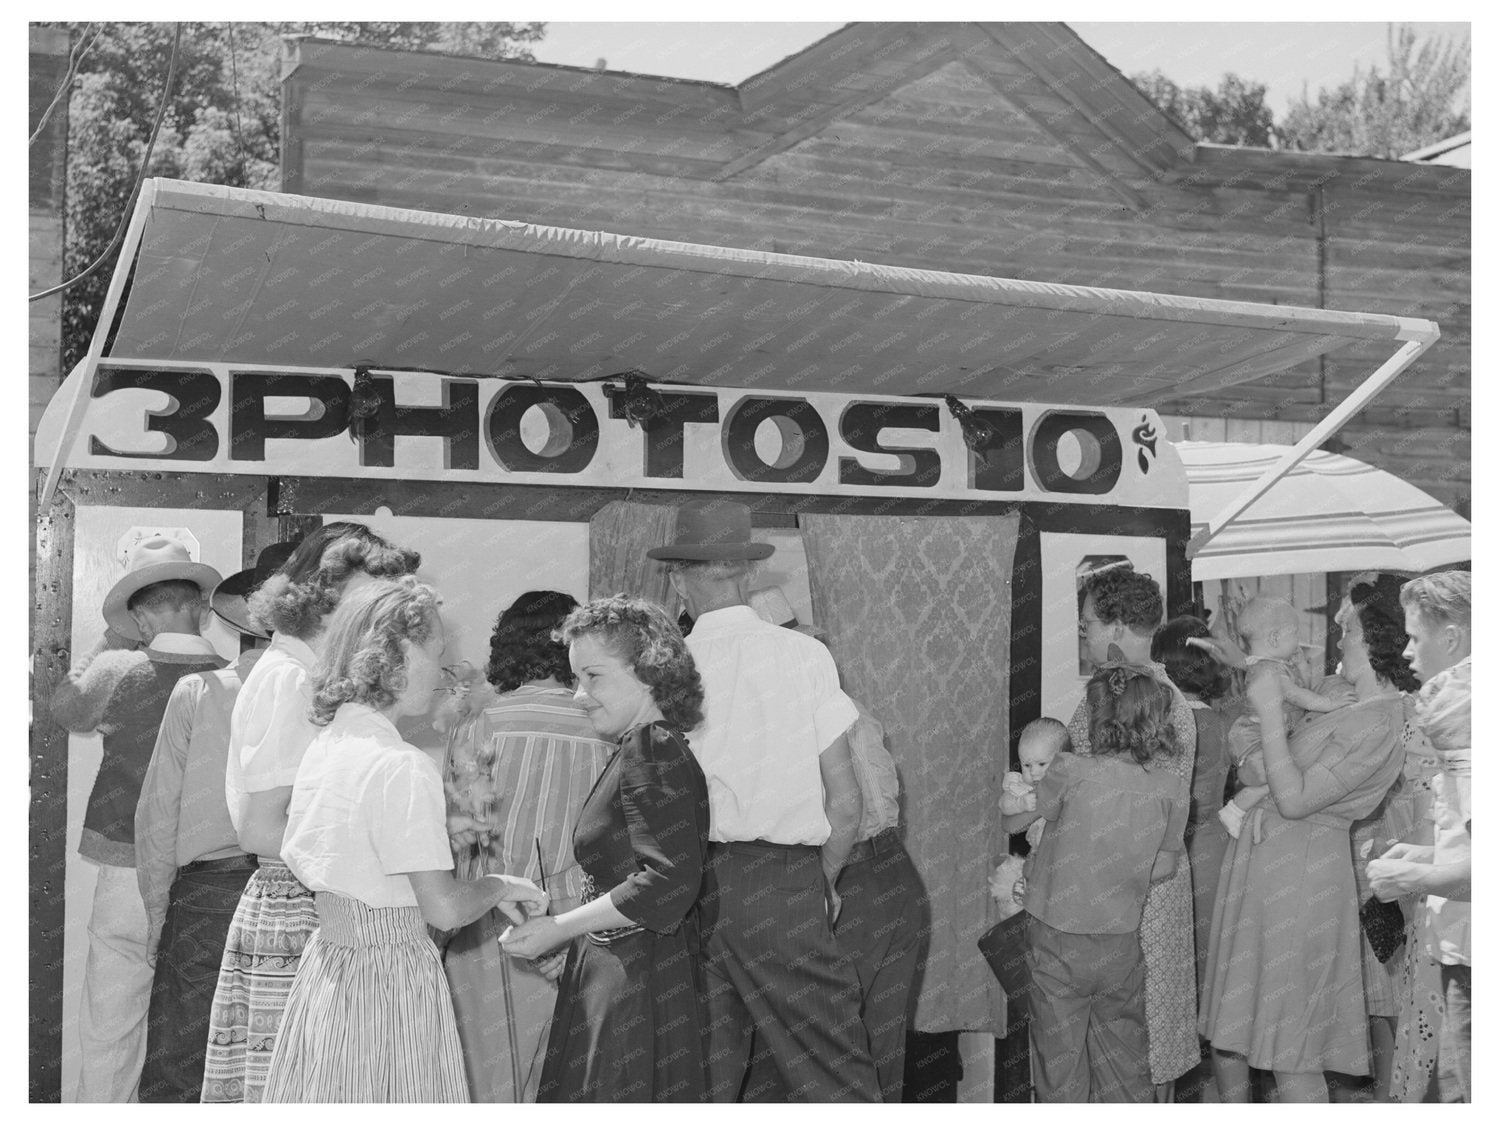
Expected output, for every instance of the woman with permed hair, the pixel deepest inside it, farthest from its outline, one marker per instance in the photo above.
(1115, 820)
(269, 731)
(517, 773)
(629, 1025)
(369, 1018)
(1284, 989)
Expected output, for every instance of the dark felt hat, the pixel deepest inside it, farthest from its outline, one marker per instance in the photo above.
(712, 529)
(229, 596)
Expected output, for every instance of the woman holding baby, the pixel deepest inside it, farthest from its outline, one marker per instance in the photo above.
(1283, 990)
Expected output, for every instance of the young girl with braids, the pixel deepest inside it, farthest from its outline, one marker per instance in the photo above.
(1115, 822)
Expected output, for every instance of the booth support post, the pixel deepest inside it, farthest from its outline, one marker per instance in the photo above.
(47, 857)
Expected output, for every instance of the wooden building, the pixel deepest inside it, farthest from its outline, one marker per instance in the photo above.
(1007, 149)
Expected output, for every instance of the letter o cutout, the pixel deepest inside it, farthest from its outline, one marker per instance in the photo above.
(804, 440)
(1099, 471)
(573, 429)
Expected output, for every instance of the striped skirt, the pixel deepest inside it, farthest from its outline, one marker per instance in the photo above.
(273, 922)
(370, 1018)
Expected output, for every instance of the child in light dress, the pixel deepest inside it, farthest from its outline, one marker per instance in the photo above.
(1269, 629)
(1041, 741)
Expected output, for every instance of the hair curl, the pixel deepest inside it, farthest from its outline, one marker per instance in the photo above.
(522, 647)
(1192, 669)
(1122, 593)
(1383, 622)
(1130, 712)
(297, 598)
(642, 635)
(363, 659)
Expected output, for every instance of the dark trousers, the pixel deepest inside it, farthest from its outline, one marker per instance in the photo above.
(200, 907)
(1454, 1064)
(1088, 1016)
(777, 986)
(883, 929)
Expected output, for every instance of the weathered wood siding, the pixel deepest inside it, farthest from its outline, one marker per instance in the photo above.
(1001, 149)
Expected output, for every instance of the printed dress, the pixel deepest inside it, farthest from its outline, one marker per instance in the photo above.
(629, 1023)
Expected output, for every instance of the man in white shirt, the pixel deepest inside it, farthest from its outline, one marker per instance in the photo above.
(785, 810)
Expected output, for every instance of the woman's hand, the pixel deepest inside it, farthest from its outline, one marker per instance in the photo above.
(520, 898)
(533, 939)
(551, 966)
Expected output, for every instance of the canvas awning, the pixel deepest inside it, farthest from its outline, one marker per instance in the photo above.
(235, 275)
(1329, 513)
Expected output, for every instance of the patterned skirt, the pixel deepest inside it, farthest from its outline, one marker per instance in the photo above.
(1171, 975)
(274, 921)
(370, 1018)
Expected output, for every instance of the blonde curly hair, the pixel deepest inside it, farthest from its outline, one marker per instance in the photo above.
(363, 658)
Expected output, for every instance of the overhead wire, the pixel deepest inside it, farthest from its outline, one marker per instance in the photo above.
(140, 178)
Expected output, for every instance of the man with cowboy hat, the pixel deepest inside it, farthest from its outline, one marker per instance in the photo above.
(785, 809)
(189, 863)
(121, 691)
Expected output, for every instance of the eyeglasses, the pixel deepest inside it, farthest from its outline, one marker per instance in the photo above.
(1085, 622)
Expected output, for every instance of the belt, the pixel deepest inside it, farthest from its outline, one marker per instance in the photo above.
(760, 846)
(229, 863)
(888, 840)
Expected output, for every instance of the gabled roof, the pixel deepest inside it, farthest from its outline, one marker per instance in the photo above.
(1044, 89)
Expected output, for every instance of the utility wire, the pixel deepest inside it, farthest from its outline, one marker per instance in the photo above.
(114, 243)
(83, 46)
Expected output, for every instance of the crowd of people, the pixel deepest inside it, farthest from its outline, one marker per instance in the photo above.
(661, 860)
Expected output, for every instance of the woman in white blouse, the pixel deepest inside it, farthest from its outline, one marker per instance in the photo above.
(370, 1018)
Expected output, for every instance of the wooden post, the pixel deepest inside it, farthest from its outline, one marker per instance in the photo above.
(51, 631)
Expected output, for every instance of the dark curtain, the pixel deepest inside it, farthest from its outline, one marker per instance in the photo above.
(917, 612)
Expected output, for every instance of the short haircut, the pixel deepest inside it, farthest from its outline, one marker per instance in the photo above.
(1192, 669)
(363, 661)
(1262, 614)
(297, 598)
(1378, 604)
(711, 568)
(171, 594)
(642, 635)
(1444, 598)
(1051, 730)
(1122, 593)
(522, 647)
(1130, 714)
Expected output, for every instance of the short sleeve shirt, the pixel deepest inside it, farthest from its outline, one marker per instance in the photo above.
(271, 726)
(367, 808)
(1107, 817)
(772, 705)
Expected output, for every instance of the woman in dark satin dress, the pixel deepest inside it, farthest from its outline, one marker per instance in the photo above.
(628, 1025)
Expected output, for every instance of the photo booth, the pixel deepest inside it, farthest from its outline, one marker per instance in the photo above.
(936, 457)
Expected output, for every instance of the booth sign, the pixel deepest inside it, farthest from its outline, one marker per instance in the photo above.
(270, 421)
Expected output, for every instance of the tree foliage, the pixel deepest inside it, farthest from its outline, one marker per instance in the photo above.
(222, 125)
(1421, 98)
(1233, 114)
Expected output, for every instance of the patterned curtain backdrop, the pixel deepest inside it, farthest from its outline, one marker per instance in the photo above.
(619, 535)
(917, 612)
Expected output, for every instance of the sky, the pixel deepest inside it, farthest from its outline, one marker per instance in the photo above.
(1282, 55)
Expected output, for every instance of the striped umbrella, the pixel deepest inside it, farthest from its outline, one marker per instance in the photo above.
(1331, 512)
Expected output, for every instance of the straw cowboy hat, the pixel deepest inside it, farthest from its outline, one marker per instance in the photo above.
(150, 561)
(229, 596)
(772, 605)
(711, 530)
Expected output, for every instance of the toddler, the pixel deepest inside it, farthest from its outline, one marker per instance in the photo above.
(1116, 823)
(1041, 741)
(1269, 627)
